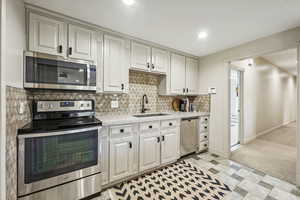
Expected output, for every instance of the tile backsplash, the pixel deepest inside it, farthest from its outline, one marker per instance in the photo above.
(139, 84)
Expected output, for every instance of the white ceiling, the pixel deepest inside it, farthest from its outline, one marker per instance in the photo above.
(176, 23)
(286, 60)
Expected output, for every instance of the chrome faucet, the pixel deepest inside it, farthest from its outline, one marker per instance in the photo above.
(144, 100)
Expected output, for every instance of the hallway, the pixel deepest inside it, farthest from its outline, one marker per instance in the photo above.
(273, 153)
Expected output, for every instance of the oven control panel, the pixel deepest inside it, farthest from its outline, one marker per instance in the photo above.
(57, 106)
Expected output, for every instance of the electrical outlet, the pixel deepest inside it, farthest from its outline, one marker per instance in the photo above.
(21, 108)
(212, 90)
(114, 104)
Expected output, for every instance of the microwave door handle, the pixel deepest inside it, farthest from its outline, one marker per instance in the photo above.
(88, 71)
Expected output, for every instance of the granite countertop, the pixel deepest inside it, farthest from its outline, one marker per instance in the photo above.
(108, 120)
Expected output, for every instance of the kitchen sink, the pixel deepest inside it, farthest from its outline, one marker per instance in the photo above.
(151, 115)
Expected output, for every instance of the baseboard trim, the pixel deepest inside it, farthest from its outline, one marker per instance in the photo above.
(249, 139)
(273, 128)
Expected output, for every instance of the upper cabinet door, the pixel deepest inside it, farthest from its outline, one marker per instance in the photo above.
(191, 76)
(177, 74)
(160, 60)
(140, 56)
(115, 64)
(82, 43)
(46, 35)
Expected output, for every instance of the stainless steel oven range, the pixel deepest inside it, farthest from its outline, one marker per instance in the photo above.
(59, 152)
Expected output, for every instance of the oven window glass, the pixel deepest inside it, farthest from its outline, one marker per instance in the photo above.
(40, 70)
(51, 156)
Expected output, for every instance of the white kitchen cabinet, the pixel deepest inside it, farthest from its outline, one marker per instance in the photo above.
(116, 64)
(121, 157)
(170, 146)
(149, 150)
(47, 35)
(160, 61)
(191, 76)
(177, 74)
(104, 154)
(140, 56)
(82, 43)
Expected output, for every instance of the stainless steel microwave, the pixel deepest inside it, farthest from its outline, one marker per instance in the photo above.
(46, 72)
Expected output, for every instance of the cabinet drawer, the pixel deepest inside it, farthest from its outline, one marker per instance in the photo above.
(203, 137)
(169, 123)
(204, 120)
(149, 126)
(203, 145)
(204, 128)
(116, 130)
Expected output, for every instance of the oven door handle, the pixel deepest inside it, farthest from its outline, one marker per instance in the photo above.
(34, 135)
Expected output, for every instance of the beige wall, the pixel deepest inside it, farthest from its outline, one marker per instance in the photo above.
(269, 97)
(214, 72)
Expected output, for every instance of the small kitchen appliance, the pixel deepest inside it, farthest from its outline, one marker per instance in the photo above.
(59, 152)
(43, 71)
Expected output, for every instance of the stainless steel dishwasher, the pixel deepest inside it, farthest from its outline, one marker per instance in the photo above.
(189, 135)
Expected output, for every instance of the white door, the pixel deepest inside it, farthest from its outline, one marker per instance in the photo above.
(160, 60)
(121, 158)
(140, 56)
(177, 74)
(46, 35)
(115, 69)
(82, 43)
(149, 150)
(191, 76)
(170, 149)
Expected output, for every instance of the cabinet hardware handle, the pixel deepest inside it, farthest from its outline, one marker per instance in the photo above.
(153, 66)
(170, 124)
(183, 90)
(205, 119)
(150, 126)
(148, 65)
(122, 86)
(121, 130)
(205, 136)
(130, 145)
(205, 127)
(205, 145)
(187, 90)
(70, 51)
(158, 139)
(60, 49)
(163, 138)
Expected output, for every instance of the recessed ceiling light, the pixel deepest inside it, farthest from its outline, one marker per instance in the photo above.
(202, 35)
(128, 2)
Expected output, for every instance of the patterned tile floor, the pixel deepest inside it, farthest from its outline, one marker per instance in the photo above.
(246, 183)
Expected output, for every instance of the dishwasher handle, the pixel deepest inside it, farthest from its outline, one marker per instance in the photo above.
(190, 119)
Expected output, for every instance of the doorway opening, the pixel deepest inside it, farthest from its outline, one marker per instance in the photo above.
(235, 108)
(263, 97)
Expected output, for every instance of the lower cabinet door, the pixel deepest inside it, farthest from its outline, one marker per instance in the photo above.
(121, 158)
(170, 146)
(149, 150)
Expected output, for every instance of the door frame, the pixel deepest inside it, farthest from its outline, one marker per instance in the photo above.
(241, 125)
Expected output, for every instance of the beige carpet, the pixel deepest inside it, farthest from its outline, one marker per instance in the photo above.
(273, 153)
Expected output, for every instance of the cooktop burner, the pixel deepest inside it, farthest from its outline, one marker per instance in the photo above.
(40, 126)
